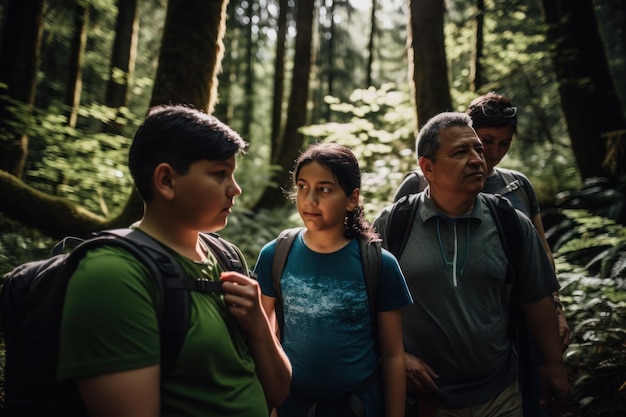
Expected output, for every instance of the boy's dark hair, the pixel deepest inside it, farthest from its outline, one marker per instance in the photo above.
(492, 110)
(178, 135)
(344, 166)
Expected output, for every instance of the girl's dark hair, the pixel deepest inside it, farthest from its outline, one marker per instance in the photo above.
(343, 164)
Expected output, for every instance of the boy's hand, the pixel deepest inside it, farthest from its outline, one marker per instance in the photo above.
(242, 296)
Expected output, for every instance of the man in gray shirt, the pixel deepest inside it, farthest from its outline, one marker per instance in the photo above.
(456, 337)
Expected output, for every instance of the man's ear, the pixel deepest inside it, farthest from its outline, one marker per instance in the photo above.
(163, 179)
(426, 165)
(353, 199)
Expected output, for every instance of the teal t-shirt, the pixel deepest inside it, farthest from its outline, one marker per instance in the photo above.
(328, 333)
(109, 325)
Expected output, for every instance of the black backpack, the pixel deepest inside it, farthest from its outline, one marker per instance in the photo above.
(31, 304)
(372, 267)
(400, 223)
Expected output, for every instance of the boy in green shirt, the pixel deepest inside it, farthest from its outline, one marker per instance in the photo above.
(231, 363)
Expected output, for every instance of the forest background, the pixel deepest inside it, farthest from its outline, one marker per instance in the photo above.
(76, 78)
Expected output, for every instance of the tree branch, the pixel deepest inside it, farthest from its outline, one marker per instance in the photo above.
(55, 216)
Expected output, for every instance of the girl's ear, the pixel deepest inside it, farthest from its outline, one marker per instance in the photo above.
(164, 180)
(353, 199)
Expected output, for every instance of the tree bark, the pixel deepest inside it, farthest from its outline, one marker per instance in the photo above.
(248, 87)
(123, 59)
(476, 70)
(75, 68)
(191, 53)
(292, 139)
(61, 216)
(225, 107)
(279, 75)
(428, 68)
(592, 109)
(370, 45)
(19, 55)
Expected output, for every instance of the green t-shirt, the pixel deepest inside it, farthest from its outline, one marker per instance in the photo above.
(109, 325)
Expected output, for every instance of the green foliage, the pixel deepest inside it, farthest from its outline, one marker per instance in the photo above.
(19, 244)
(596, 356)
(593, 293)
(20, 112)
(591, 231)
(87, 168)
(377, 125)
(589, 243)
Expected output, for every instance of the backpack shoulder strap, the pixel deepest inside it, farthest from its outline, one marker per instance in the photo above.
(371, 257)
(419, 177)
(399, 224)
(507, 224)
(229, 256)
(514, 184)
(510, 233)
(413, 182)
(284, 241)
(509, 179)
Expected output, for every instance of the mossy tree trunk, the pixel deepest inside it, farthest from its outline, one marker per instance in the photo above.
(428, 68)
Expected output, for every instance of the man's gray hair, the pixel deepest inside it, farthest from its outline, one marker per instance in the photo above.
(427, 143)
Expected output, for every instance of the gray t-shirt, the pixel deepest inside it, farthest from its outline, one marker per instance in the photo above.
(456, 272)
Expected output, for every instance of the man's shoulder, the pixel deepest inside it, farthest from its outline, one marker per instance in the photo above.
(511, 173)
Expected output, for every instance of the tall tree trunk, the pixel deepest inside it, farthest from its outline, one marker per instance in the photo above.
(74, 85)
(191, 53)
(122, 61)
(476, 69)
(292, 139)
(370, 45)
(248, 86)
(592, 109)
(225, 108)
(330, 61)
(428, 68)
(19, 55)
(279, 75)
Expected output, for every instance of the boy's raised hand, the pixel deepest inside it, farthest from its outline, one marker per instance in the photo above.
(242, 296)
